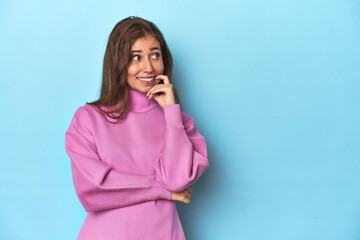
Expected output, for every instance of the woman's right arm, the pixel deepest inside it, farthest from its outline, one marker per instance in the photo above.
(97, 185)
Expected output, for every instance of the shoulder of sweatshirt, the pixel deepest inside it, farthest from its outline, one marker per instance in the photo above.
(81, 123)
(88, 112)
(89, 109)
(187, 119)
(84, 116)
(82, 112)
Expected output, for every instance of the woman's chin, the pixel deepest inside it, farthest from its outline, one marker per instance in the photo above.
(144, 88)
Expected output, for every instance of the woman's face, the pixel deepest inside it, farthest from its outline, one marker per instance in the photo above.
(145, 64)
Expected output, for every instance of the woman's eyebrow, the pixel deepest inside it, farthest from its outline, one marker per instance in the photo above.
(151, 49)
(154, 48)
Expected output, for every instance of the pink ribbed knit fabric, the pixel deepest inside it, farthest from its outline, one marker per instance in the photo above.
(124, 173)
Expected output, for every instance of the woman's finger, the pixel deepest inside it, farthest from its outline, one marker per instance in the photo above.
(163, 77)
(156, 89)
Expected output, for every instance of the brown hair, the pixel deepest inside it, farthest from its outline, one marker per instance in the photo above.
(114, 88)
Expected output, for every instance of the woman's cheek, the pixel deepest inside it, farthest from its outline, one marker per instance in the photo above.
(132, 70)
(159, 67)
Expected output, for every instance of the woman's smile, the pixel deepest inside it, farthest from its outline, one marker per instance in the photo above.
(146, 80)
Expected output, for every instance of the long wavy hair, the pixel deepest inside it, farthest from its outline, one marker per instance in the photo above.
(114, 87)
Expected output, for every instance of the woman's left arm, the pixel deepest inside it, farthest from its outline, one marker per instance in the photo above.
(184, 156)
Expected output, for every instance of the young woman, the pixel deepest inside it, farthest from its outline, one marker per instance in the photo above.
(133, 151)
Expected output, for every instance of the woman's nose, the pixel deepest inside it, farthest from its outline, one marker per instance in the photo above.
(147, 66)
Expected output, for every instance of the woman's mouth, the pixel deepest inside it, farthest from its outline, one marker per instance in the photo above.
(146, 80)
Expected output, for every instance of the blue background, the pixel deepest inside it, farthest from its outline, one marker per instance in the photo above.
(272, 85)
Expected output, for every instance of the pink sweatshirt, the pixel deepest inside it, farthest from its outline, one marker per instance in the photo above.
(124, 173)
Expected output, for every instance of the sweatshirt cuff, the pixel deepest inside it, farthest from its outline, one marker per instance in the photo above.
(172, 114)
(157, 191)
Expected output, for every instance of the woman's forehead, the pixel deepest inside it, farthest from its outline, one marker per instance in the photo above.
(147, 42)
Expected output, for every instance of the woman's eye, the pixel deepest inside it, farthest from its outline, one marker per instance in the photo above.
(136, 58)
(156, 55)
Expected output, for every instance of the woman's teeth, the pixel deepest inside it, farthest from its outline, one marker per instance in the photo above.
(145, 79)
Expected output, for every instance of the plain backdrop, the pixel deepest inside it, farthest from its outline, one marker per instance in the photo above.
(273, 86)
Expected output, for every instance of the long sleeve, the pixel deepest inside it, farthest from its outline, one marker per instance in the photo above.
(97, 184)
(184, 156)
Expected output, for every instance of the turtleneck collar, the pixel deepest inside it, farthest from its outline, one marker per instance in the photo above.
(138, 102)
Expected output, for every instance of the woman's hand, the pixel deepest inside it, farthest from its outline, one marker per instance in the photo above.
(183, 196)
(167, 97)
